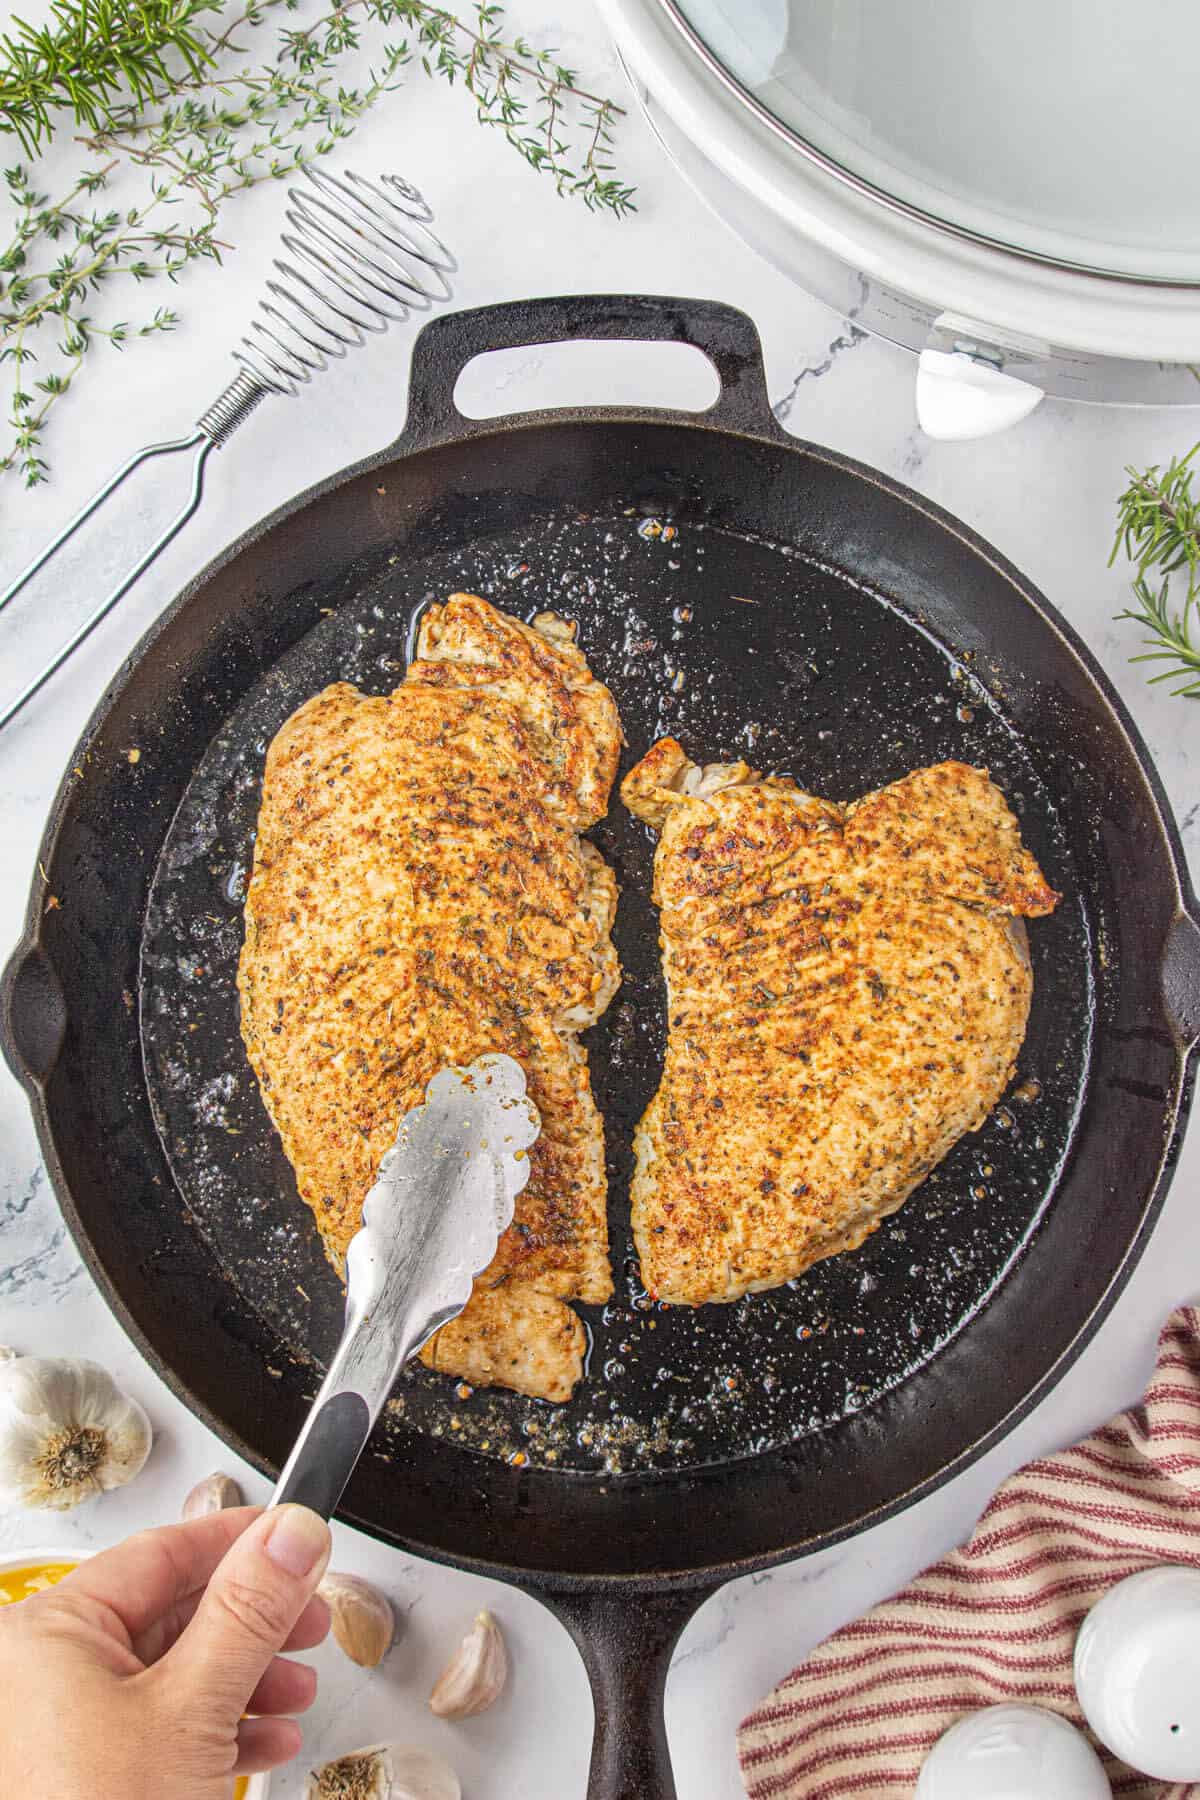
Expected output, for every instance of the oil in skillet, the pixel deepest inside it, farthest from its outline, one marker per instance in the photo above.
(781, 660)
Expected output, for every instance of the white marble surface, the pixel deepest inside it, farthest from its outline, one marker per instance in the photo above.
(1043, 494)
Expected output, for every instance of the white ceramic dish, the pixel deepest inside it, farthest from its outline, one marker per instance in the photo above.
(934, 287)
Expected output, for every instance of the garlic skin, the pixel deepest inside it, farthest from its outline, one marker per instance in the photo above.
(385, 1772)
(474, 1677)
(361, 1618)
(214, 1494)
(67, 1432)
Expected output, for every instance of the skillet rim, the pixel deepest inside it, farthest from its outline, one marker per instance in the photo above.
(410, 444)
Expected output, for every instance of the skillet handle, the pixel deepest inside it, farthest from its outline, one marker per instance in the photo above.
(1181, 977)
(33, 1015)
(626, 1641)
(448, 343)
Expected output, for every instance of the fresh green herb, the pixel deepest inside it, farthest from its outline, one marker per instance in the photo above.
(1159, 531)
(184, 110)
(528, 94)
(92, 53)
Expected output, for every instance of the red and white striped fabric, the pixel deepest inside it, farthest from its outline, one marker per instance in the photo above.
(996, 1621)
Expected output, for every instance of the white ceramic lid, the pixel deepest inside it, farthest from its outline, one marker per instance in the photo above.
(1062, 131)
(1004, 298)
(1012, 1753)
(1137, 1672)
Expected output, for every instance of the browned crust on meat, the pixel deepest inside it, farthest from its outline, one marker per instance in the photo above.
(420, 895)
(849, 989)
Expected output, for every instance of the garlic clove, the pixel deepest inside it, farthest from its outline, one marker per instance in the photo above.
(8, 1354)
(474, 1677)
(361, 1618)
(214, 1494)
(67, 1432)
(385, 1772)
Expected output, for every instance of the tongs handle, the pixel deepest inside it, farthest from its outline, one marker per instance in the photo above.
(379, 1338)
(324, 1455)
(431, 1222)
(198, 438)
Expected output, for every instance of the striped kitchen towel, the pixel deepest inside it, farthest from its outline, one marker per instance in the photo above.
(996, 1621)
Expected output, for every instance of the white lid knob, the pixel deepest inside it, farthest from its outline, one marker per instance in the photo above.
(1137, 1671)
(960, 396)
(1013, 1753)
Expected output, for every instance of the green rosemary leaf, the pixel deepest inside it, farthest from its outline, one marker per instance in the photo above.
(1158, 531)
(92, 51)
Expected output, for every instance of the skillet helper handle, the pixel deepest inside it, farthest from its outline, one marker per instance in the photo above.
(726, 336)
(627, 1641)
(33, 1015)
(1181, 976)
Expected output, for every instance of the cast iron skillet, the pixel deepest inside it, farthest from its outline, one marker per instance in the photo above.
(754, 595)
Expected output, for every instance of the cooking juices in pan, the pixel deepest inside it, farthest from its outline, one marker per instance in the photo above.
(740, 649)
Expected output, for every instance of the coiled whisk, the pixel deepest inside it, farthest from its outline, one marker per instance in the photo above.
(361, 255)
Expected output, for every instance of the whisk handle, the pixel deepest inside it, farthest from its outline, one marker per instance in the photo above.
(726, 336)
(197, 440)
(223, 417)
(92, 506)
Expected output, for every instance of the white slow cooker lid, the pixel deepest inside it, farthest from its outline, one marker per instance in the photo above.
(1035, 302)
(1064, 129)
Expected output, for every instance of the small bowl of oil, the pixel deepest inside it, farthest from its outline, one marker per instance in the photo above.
(24, 1573)
(27, 1572)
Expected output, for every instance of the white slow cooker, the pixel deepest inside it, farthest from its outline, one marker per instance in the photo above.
(1009, 191)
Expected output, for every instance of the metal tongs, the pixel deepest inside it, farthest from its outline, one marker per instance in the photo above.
(444, 1194)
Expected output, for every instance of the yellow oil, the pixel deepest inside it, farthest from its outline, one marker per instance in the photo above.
(19, 1584)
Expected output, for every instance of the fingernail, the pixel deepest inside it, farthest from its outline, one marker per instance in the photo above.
(298, 1539)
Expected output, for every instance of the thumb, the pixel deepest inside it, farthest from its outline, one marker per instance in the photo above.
(257, 1593)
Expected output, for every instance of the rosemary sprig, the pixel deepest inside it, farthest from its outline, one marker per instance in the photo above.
(1159, 531)
(177, 102)
(92, 52)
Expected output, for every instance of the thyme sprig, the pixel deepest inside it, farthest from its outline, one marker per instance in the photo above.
(1159, 531)
(194, 110)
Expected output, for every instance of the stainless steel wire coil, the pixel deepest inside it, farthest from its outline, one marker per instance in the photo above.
(362, 256)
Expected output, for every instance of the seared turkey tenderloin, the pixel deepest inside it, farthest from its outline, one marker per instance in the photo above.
(848, 990)
(420, 895)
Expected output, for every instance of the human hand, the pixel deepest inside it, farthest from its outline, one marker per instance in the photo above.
(130, 1679)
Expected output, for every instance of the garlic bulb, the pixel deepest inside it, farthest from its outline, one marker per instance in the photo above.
(474, 1677)
(361, 1619)
(213, 1494)
(67, 1432)
(385, 1772)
